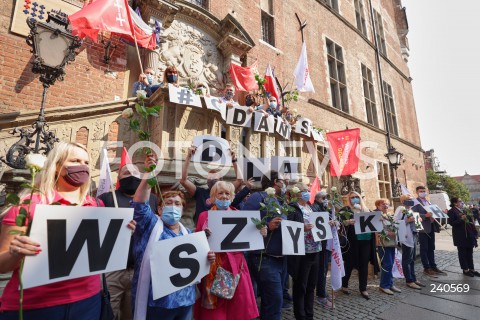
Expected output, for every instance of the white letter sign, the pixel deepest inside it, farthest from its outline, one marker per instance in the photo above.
(366, 222)
(293, 238)
(239, 116)
(234, 231)
(211, 149)
(321, 229)
(437, 212)
(77, 242)
(183, 96)
(178, 262)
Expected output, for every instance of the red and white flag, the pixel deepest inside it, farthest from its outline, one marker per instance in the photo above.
(114, 16)
(105, 181)
(270, 85)
(337, 269)
(302, 72)
(344, 152)
(125, 159)
(314, 189)
(243, 78)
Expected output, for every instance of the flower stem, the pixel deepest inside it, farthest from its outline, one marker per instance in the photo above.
(20, 311)
(261, 253)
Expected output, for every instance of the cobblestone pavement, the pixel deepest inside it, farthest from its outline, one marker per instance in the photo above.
(354, 306)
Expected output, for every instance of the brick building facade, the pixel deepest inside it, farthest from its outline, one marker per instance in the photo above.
(202, 39)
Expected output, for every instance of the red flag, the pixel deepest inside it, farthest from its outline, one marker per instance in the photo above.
(123, 161)
(344, 151)
(314, 189)
(114, 16)
(270, 86)
(243, 78)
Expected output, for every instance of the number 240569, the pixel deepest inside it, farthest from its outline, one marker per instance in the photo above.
(449, 288)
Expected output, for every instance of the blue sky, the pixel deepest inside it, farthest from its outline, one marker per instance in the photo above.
(445, 67)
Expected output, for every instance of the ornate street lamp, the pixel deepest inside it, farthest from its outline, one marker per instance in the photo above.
(394, 158)
(53, 47)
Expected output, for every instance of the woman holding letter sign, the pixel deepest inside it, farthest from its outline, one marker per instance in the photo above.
(360, 248)
(242, 306)
(303, 269)
(409, 241)
(151, 228)
(64, 180)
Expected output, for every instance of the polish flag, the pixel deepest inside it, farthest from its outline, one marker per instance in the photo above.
(314, 189)
(114, 16)
(125, 159)
(270, 86)
(243, 78)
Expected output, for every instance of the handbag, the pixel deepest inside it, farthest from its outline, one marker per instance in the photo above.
(225, 284)
(106, 312)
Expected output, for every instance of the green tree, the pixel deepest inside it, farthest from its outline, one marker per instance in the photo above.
(451, 186)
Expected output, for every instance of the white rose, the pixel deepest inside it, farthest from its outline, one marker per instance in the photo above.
(35, 161)
(270, 191)
(295, 110)
(357, 206)
(295, 190)
(127, 113)
(334, 189)
(141, 94)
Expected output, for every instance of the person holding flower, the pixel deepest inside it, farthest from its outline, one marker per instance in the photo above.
(243, 304)
(360, 248)
(64, 179)
(303, 269)
(464, 235)
(270, 265)
(386, 244)
(409, 242)
(150, 228)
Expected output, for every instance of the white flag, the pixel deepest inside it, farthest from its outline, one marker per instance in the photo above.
(397, 270)
(105, 182)
(406, 191)
(302, 73)
(337, 269)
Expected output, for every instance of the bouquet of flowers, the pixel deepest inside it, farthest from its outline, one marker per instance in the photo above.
(390, 226)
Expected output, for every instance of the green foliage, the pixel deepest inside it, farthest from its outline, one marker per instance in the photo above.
(13, 199)
(451, 186)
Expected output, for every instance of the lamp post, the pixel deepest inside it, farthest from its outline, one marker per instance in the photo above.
(394, 158)
(53, 47)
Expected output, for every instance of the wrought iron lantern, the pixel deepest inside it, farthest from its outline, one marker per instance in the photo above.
(53, 47)
(394, 158)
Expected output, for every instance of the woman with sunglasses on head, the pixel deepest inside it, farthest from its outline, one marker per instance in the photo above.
(360, 248)
(243, 305)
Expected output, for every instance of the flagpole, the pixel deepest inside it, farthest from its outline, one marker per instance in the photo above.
(138, 52)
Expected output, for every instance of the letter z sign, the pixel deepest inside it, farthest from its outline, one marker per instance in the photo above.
(234, 231)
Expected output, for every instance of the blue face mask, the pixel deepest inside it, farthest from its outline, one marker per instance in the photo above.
(273, 105)
(325, 203)
(171, 78)
(149, 78)
(305, 196)
(355, 201)
(171, 215)
(222, 204)
(409, 203)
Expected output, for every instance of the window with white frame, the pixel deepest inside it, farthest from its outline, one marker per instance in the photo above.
(390, 108)
(338, 82)
(383, 178)
(268, 23)
(360, 16)
(382, 47)
(332, 4)
(369, 96)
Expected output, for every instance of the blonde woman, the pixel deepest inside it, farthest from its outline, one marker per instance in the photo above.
(360, 248)
(243, 305)
(64, 179)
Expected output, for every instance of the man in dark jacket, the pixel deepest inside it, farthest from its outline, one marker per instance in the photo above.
(426, 236)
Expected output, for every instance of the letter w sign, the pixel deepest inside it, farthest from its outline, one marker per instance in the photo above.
(77, 242)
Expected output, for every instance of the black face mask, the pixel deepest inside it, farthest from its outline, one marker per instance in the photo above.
(129, 185)
(248, 101)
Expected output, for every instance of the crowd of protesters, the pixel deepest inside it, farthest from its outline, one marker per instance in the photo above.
(264, 275)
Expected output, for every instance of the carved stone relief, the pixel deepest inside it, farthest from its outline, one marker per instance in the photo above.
(194, 53)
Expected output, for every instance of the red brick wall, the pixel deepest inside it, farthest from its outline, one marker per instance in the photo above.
(85, 81)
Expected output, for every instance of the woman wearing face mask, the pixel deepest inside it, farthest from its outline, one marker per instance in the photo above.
(409, 242)
(270, 108)
(464, 235)
(65, 178)
(386, 248)
(303, 269)
(151, 228)
(360, 248)
(170, 76)
(243, 305)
